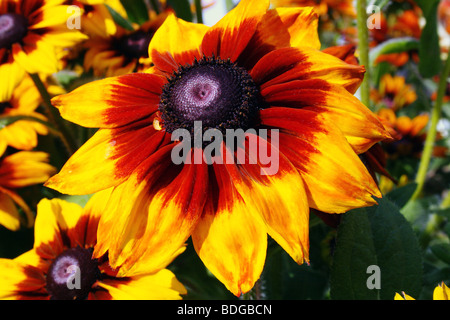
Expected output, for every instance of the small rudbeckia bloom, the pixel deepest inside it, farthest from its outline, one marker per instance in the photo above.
(119, 51)
(393, 92)
(256, 69)
(408, 133)
(18, 170)
(96, 19)
(31, 33)
(60, 266)
(22, 134)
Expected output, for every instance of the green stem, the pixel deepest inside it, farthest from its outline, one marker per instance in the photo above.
(155, 6)
(54, 116)
(432, 131)
(199, 11)
(446, 202)
(363, 45)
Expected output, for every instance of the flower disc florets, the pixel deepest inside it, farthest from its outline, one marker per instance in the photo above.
(13, 27)
(216, 92)
(72, 274)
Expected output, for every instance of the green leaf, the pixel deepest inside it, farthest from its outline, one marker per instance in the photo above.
(121, 21)
(137, 10)
(400, 196)
(427, 5)
(442, 251)
(182, 9)
(430, 63)
(375, 236)
(395, 45)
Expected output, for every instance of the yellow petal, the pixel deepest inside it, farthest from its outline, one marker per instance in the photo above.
(9, 216)
(290, 27)
(162, 285)
(230, 36)
(176, 42)
(232, 243)
(441, 292)
(53, 217)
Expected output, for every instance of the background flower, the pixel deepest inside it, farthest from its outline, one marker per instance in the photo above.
(65, 235)
(19, 170)
(22, 134)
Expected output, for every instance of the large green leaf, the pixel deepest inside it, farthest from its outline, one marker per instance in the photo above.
(375, 236)
(430, 63)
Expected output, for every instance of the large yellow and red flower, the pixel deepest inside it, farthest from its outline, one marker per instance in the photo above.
(255, 69)
(60, 265)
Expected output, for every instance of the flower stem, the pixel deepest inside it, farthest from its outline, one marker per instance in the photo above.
(198, 11)
(155, 6)
(363, 46)
(432, 131)
(54, 116)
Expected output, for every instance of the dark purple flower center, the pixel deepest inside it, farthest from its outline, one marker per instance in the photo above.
(216, 92)
(13, 27)
(72, 274)
(134, 45)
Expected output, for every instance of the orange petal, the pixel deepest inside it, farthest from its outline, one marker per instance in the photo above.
(335, 178)
(107, 159)
(176, 42)
(287, 64)
(230, 36)
(360, 126)
(18, 278)
(232, 239)
(275, 188)
(112, 102)
(156, 200)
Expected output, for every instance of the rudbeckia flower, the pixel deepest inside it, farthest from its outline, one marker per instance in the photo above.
(120, 51)
(255, 69)
(31, 34)
(393, 92)
(408, 133)
(60, 265)
(22, 134)
(20, 169)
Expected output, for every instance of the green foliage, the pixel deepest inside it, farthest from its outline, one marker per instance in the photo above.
(376, 236)
(136, 10)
